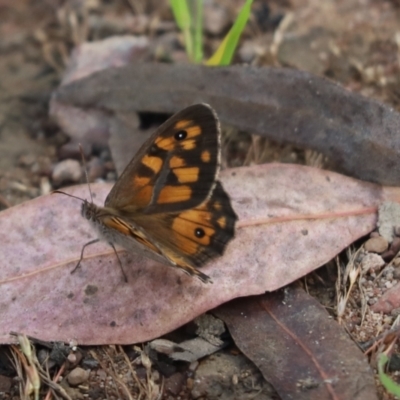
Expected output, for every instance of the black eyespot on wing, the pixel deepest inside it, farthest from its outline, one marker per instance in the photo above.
(180, 135)
(199, 232)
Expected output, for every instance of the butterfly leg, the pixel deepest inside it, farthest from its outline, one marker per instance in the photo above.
(119, 261)
(83, 250)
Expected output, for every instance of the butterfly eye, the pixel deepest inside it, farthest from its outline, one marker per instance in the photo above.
(199, 233)
(180, 135)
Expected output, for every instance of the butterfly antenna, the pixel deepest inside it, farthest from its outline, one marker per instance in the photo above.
(67, 194)
(86, 172)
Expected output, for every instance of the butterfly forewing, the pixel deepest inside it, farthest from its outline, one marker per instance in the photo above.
(175, 169)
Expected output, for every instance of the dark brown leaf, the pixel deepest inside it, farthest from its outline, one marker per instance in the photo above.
(302, 352)
(359, 135)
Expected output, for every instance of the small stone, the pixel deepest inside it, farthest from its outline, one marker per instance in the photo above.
(396, 271)
(174, 384)
(374, 234)
(77, 376)
(388, 255)
(397, 230)
(376, 245)
(67, 171)
(395, 245)
(74, 358)
(372, 262)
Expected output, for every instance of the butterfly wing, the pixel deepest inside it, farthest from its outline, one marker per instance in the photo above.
(190, 238)
(176, 167)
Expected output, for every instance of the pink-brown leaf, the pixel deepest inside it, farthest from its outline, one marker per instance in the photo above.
(292, 220)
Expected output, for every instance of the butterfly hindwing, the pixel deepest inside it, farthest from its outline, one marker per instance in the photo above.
(193, 237)
(175, 169)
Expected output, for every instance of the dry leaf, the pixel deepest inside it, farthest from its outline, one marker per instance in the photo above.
(301, 351)
(359, 135)
(293, 219)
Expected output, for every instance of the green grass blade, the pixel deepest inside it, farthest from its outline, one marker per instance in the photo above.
(390, 385)
(198, 32)
(189, 18)
(183, 19)
(226, 50)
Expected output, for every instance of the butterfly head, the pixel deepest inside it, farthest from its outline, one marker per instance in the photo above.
(89, 210)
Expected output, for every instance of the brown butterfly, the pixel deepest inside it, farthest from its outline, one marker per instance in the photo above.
(168, 203)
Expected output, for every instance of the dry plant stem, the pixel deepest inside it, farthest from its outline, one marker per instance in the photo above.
(33, 362)
(133, 372)
(52, 383)
(18, 367)
(374, 343)
(32, 385)
(351, 272)
(113, 375)
(279, 36)
(389, 264)
(364, 304)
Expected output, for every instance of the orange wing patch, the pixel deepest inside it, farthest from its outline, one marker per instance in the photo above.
(217, 206)
(166, 144)
(193, 131)
(187, 230)
(197, 215)
(186, 175)
(174, 194)
(154, 163)
(205, 156)
(140, 181)
(117, 224)
(221, 222)
(188, 144)
(183, 124)
(177, 162)
(143, 196)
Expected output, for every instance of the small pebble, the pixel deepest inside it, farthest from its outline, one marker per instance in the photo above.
(376, 245)
(388, 255)
(372, 262)
(395, 245)
(67, 171)
(396, 272)
(77, 376)
(74, 358)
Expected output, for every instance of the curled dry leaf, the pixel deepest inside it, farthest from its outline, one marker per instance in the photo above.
(305, 355)
(359, 135)
(292, 219)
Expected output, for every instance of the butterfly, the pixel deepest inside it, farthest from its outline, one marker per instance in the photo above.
(168, 204)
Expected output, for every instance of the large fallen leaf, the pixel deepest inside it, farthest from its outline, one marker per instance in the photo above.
(359, 135)
(293, 219)
(301, 351)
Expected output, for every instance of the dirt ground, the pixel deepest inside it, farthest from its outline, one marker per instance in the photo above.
(353, 42)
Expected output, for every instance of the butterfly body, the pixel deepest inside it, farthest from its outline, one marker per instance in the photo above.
(168, 203)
